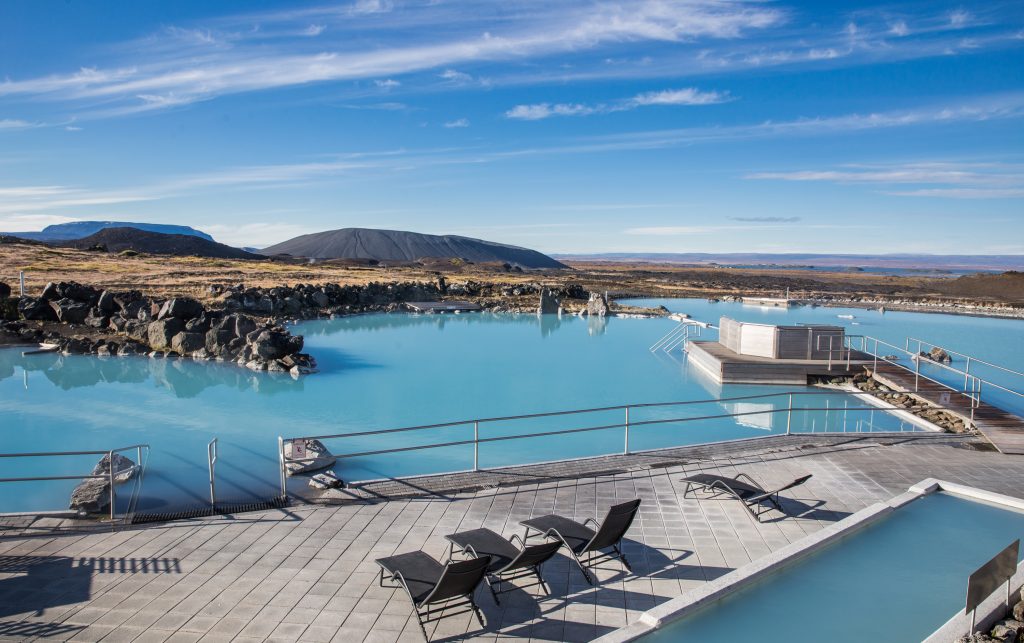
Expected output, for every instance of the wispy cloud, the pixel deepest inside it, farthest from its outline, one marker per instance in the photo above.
(687, 96)
(314, 30)
(943, 179)
(16, 123)
(457, 123)
(387, 83)
(657, 231)
(766, 219)
(210, 67)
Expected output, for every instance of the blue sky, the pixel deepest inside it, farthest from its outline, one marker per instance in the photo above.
(720, 126)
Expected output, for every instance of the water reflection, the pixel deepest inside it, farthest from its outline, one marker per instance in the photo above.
(183, 378)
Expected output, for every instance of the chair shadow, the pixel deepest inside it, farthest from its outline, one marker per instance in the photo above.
(793, 508)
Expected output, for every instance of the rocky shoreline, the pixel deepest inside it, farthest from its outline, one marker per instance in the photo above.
(246, 325)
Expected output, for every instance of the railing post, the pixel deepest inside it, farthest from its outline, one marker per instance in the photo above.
(625, 449)
(789, 415)
(283, 473)
(967, 370)
(113, 494)
(211, 460)
(476, 446)
(917, 372)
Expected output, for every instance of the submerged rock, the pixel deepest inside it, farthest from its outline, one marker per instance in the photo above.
(326, 480)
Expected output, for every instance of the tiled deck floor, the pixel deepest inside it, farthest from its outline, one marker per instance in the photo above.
(308, 574)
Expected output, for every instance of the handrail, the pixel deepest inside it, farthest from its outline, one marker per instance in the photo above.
(530, 416)
(110, 475)
(627, 424)
(921, 342)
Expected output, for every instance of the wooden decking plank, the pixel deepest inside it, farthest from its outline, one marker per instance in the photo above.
(1003, 429)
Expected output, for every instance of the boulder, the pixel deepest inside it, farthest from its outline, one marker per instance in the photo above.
(549, 303)
(5, 290)
(36, 309)
(243, 324)
(326, 480)
(315, 457)
(181, 308)
(106, 302)
(321, 299)
(70, 311)
(217, 340)
(161, 332)
(275, 344)
(939, 355)
(93, 495)
(186, 342)
(131, 348)
(96, 318)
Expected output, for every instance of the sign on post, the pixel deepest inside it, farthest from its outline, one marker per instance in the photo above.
(991, 575)
(944, 398)
(298, 450)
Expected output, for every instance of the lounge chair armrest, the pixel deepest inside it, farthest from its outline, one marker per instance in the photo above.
(750, 480)
(591, 520)
(514, 537)
(718, 484)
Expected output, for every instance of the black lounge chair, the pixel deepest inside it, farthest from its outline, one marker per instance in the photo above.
(428, 583)
(581, 540)
(753, 496)
(508, 562)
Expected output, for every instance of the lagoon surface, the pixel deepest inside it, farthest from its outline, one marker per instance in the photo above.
(386, 371)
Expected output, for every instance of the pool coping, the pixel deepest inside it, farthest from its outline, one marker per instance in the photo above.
(681, 607)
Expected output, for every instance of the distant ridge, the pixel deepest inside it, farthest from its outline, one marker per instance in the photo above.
(901, 260)
(182, 245)
(395, 245)
(81, 229)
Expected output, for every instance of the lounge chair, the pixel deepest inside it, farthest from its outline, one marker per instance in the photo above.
(428, 583)
(581, 540)
(753, 496)
(508, 562)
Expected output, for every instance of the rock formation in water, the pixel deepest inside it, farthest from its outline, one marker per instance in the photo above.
(92, 496)
(549, 303)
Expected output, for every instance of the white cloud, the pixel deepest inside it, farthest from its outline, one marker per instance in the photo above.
(688, 96)
(362, 7)
(30, 222)
(255, 235)
(959, 19)
(899, 28)
(15, 123)
(460, 122)
(72, 128)
(314, 30)
(455, 76)
(387, 83)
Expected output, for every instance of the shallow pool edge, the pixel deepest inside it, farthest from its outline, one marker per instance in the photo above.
(712, 591)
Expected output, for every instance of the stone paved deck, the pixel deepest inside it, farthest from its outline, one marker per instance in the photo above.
(307, 573)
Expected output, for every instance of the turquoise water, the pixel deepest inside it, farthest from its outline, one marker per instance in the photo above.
(380, 372)
(897, 580)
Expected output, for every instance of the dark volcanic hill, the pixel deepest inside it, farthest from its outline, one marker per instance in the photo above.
(182, 245)
(394, 245)
(82, 229)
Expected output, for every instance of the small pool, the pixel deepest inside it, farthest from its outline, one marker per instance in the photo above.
(897, 580)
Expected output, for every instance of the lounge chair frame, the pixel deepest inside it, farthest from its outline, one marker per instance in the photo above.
(509, 572)
(754, 504)
(425, 609)
(593, 555)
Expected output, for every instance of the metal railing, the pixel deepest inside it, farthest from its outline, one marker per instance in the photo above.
(211, 461)
(138, 470)
(968, 360)
(626, 425)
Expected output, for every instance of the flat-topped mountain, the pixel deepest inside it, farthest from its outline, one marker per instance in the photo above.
(182, 245)
(395, 245)
(82, 229)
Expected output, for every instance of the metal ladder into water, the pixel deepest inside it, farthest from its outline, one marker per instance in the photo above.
(678, 336)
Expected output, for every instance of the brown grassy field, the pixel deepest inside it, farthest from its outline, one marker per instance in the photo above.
(166, 275)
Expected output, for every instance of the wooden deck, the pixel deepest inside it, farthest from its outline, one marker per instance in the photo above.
(729, 367)
(1004, 430)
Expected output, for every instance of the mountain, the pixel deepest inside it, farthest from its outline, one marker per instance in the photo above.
(81, 229)
(182, 245)
(394, 245)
